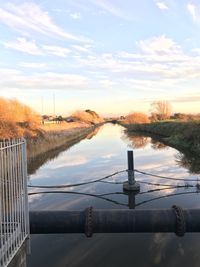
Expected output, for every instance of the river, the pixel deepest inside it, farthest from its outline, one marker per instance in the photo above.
(101, 154)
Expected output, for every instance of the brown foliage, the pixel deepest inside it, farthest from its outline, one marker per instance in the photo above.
(161, 109)
(136, 117)
(87, 116)
(16, 119)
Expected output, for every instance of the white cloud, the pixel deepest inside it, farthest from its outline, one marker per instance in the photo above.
(159, 59)
(81, 48)
(75, 15)
(26, 46)
(160, 44)
(193, 10)
(23, 45)
(107, 83)
(33, 65)
(56, 50)
(14, 79)
(162, 5)
(107, 6)
(29, 17)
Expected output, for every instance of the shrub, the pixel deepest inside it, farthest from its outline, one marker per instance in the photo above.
(136, 117)
(87, 116)
(16, 119)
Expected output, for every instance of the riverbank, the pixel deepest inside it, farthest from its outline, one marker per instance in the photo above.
(184, 136)
(54, 141)
(54, 136)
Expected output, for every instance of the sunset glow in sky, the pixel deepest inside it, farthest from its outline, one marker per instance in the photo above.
(112, 56)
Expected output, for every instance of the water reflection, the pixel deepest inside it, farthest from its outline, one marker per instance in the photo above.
(158, 145)
(34, 163)
(100, 156)
(189, 161)
(135, 140)
(184, 159)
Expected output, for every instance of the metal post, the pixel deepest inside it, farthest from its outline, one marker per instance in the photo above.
(131, 174)
(131, 184)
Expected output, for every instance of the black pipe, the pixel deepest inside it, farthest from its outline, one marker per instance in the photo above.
(113, 221)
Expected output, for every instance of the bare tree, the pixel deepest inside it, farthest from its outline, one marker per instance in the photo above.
(162, 109)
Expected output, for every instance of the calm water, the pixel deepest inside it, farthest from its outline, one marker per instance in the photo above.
(93, 158)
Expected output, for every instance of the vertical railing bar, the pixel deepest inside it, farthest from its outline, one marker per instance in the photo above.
(1, 200)
(4, 208)
(21, 193)
(6, 205)
(26, 209)
(14, 187)
(9, 198)
(17, 186)
(13, 193)
(8, 201)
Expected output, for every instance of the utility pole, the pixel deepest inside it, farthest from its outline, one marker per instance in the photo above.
(54, 105)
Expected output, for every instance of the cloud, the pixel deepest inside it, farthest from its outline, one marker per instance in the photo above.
(158, 59)
(56, 50)
(75, 16)
(159, 45)
(79, 48)
(14, 79)
(28, 18)
(107, 83)
(33, 65)
(162, 6)
(25, 46)
(187, 98)
(192, 9)
(107, 6)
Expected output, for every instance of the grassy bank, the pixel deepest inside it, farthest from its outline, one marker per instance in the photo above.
(185, 136)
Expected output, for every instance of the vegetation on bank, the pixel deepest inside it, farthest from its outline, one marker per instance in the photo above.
(185, 136)
(136, 117)
(87, 116)
(17, 119)
(54, 141)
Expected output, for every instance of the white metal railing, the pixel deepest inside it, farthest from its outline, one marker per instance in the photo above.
(14, 218)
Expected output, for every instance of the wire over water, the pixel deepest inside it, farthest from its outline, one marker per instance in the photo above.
(165, 177)
(78, 184)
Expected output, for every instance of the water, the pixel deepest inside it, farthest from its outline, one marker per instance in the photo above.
(103, 154)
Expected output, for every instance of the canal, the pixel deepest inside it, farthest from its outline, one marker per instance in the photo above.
(102, 153)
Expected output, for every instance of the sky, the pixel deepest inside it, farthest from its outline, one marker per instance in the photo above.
(111, 56)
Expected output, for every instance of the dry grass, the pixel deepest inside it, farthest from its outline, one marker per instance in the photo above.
(64, 126)
(17, 119)
(88, 116)
(136, 117)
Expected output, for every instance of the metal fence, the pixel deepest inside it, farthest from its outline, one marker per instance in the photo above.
(14, 219)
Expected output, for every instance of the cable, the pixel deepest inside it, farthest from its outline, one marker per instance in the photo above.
(170, 195)
(78, 193)
(79, 184)
(164, 177)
